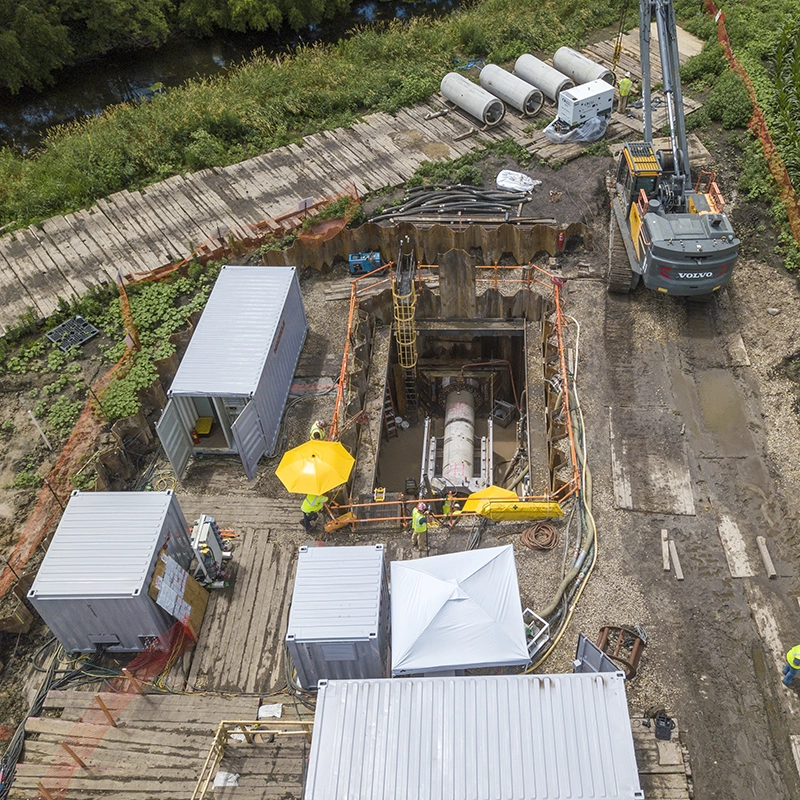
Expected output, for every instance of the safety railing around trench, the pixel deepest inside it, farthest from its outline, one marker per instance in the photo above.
(344, 514)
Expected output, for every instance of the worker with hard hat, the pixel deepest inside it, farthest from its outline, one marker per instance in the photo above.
(419, 527)
(319, 430)
(311, 507)
(625, 86)
(792, 665)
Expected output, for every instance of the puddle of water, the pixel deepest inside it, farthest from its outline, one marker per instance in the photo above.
(723, 415)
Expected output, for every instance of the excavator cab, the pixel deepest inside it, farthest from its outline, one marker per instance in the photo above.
(638, 171)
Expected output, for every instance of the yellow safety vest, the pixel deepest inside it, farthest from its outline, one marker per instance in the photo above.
(313, 503)
(317, 432)
(793, 657)
(625, 86)
(418, 521)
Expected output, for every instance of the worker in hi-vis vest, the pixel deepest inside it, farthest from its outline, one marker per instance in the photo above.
(625, 86)
(311, 507)
(318, 430)
(419, 527)
(792, 665)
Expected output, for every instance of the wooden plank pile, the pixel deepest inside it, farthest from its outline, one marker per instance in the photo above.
(664, 770)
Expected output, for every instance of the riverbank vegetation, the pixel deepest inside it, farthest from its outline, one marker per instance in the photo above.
(38, 37)
(269, 102)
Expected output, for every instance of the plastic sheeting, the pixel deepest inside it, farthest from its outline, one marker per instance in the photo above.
(590, 131)
(516, 181)
(457, 611)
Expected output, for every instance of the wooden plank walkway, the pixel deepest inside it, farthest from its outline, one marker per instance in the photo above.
(157, 749)
(138, 231)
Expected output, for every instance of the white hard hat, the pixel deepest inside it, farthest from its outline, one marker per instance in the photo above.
(421, 506)
(320, 423)
(627, 74)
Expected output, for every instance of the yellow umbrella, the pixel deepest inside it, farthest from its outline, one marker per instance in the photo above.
(315, 467)
(479, 501)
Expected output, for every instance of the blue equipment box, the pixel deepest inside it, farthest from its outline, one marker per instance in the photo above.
(364, 262)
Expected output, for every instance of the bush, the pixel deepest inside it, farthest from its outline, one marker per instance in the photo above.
(706, 65)
(728, 102)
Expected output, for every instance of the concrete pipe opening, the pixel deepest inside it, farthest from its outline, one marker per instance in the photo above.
(516, 92)
(469, 97)
(542, 76)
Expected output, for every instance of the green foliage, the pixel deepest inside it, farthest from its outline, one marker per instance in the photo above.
(464, 169)
(598, 148)
(61, 415)
(27, 479)
(703, 68)
(469, 174)
(728, 102)
(8, 428)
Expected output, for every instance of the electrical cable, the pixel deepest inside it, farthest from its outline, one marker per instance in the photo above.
(541, 536)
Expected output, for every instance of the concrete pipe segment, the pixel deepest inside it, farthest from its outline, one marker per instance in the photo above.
(581, 69)
(471, 98)
(542, 76)
(459, 433)
(513, 90)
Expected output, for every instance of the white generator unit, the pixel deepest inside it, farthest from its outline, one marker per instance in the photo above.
(210, 553)
(584, 102)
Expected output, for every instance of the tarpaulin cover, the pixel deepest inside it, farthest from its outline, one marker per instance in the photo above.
(457, 611)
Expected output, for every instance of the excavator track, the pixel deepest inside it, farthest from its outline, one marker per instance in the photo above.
(621, 278)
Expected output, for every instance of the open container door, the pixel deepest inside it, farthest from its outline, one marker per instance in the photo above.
(249, 439)
(178, 418)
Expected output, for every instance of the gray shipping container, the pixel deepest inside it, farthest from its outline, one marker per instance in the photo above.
(91, 588)
(516, 737)
(339, 618)
(238, 368)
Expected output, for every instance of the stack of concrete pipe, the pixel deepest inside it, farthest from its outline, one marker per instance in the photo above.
(471, 98)
(581, 69)
(542, 76)
(512, 90)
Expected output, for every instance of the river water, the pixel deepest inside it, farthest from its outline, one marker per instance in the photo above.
(90, 87)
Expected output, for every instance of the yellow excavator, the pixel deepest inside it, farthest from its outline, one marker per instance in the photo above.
(671, 234)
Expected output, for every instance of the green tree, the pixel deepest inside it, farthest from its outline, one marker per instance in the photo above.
(33, 43)
(97, 26)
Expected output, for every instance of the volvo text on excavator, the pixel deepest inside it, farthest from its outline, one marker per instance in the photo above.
(675, 235)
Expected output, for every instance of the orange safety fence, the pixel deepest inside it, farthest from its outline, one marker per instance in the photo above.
(546, 279)
(102, 713)
(758, 125)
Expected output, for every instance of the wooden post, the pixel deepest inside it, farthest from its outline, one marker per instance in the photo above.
(43, 791)
(675, 561)
(765, 557)
(75, 757)
(665, 549)
(133, 681)
(105, 710)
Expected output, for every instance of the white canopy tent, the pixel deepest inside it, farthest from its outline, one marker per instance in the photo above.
(457, 611)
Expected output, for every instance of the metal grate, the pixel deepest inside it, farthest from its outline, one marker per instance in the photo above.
(72, 333)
